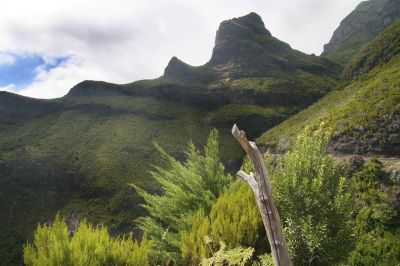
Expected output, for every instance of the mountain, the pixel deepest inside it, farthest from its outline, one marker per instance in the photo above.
(365, 112)
(360, 27)
(77, 154)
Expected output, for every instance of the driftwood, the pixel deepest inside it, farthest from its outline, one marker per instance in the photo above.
(261, 187)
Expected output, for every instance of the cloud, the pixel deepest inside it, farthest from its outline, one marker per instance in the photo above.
(6, 59)
(9, 88)
(122, 41)
(53, 82)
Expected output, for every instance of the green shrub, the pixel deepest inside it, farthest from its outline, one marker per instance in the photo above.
(88, 246)
(374, 213)
(234, 219)
(186, 187)
(233, 257)
(313, 201)
(378, 236)
(377, 249)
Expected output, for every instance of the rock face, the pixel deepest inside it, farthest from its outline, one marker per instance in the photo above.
(359, 27)
(245, 48)
(232, 37)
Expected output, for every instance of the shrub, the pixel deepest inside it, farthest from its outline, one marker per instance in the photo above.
(88, 246)
(186, 187)
(233, 257)
(313, 201)
(234, 219)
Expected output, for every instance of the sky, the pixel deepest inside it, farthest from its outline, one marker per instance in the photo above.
(48, 46)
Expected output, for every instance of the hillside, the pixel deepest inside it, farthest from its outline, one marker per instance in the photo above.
(77, 154)
(360, 27)
(365, 113)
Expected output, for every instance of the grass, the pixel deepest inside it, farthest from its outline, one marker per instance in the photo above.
(360, 109)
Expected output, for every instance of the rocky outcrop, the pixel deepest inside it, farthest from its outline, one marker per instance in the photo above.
(359, 27)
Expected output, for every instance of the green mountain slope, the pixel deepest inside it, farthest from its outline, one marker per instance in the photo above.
(360, 27)
(77, 154)
(365, 114)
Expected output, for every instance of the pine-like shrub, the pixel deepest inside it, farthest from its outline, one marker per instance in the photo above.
(186, 188)
(234, 219)
(88, 246)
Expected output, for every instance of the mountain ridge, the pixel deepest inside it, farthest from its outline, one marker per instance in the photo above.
(364, 23)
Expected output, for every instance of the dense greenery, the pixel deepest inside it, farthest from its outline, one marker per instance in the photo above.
(186, 187)
(364, 111)
(234, 257)
(379, 51)
(313, 201)
(376, 223)
(201, 216)
(80, 160)
(89, 245)
(234, 219)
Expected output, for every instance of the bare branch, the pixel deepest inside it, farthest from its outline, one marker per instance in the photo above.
(263, 194)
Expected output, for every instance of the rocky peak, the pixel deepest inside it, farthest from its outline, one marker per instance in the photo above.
(234, 38)
(177, 68)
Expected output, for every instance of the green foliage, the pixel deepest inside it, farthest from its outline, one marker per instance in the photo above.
(186, 187)
(266, 260)
(376, 223)
(233, 257)
(363, 111)
(379, 51)
(80, 157)
(234, 219)
(374, 212)
(313, 201)
(377, 249)
(88, 246)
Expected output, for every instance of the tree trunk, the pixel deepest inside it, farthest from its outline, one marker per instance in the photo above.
(261, 187)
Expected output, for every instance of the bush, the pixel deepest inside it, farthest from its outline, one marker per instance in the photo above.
(88, 246)
(377, 249)
(186, 187)
(234, 219)
(378, 236)
(313, 201)
(234, 257)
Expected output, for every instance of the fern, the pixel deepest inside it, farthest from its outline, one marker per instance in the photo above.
(234, 257)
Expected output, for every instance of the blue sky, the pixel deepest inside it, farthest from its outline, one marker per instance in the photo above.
(48, 46)
(23, 69)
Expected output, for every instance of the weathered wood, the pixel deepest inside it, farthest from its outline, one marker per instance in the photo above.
(261, 187)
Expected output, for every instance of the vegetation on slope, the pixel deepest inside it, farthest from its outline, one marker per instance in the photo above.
(360, 27)
(79, 160)
(323, 221)
(363, 114)
(378, 52)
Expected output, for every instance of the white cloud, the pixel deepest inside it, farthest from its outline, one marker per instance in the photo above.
(124, 40)
(57, 81)
(9, 88)
(6, 59)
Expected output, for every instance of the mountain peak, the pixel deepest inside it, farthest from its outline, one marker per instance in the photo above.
(234, 31)
(177, 68)
(252, 21)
